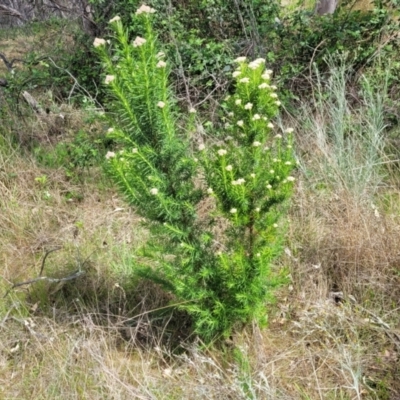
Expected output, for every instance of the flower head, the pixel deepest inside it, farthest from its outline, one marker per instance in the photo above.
(109, 78)
(233, 211)
(99, 42)
(229, 167)
(143, 9)
(210, 191)
(154, 191)
(139, 41)
(115, 19)
(244, 80)
(248, 106)
(238, 102)
(289, 130)
(263, 86)
(221, 152)
(241, 60)
(240, 123)
(278, 136)
(192, 110)
(160, 54)
(270, 125)
(291, 178)
(256, 144)
(110, 154)
(253, 65)
(201, 147)
(267, 74)
(161, 104)
(236, 74)
(110, 130)
(256, 117)
(274, 95)
(240, 181)
(161, 64)
(259, 61)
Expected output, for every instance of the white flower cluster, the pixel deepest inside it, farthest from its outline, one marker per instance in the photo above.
(99, 42)
(115, 19)
(267, 74)
(239, 181)
(221, 152)
(139, 41)
(241, 60)
(143, 9)
(264, 86)
(109, 79)
(256, 63)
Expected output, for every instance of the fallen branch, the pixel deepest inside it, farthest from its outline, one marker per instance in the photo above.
(32, 102)
(9, 64)
(74, 275)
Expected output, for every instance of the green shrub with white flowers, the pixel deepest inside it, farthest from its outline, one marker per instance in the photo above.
(219, 265)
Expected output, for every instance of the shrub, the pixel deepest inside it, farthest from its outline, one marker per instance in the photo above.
(221, 280)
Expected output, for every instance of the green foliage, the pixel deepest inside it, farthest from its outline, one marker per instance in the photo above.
(223, 282)
(201, 37)
(74, 156)
(302, 39)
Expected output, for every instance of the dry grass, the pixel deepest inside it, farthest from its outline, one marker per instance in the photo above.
(97, 338)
